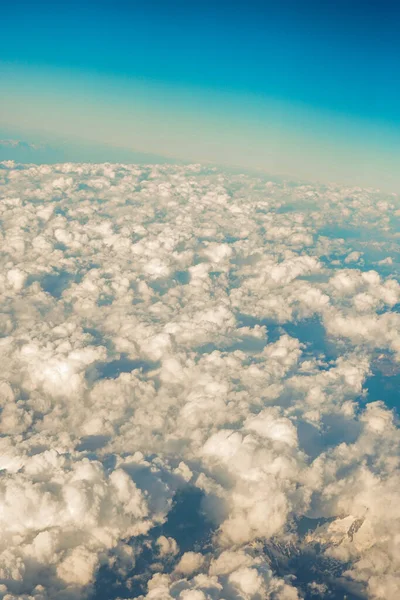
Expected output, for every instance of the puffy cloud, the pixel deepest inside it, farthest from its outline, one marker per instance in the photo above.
(190, 563)
(175, 328)
(233, 574)
(167, 545)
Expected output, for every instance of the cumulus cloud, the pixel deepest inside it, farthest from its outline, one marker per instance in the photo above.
(176, 332)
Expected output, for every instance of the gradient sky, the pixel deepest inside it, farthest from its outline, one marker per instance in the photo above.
(308, 89)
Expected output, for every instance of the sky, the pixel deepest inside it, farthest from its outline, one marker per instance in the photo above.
(200, 362)
(305, 89)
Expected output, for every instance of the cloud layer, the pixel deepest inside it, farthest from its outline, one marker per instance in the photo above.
(177, 332)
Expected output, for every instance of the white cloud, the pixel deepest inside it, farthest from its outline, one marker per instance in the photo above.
(190, 563)
(168, 327)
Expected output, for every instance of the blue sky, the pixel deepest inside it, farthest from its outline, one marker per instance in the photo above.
(304, 88)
